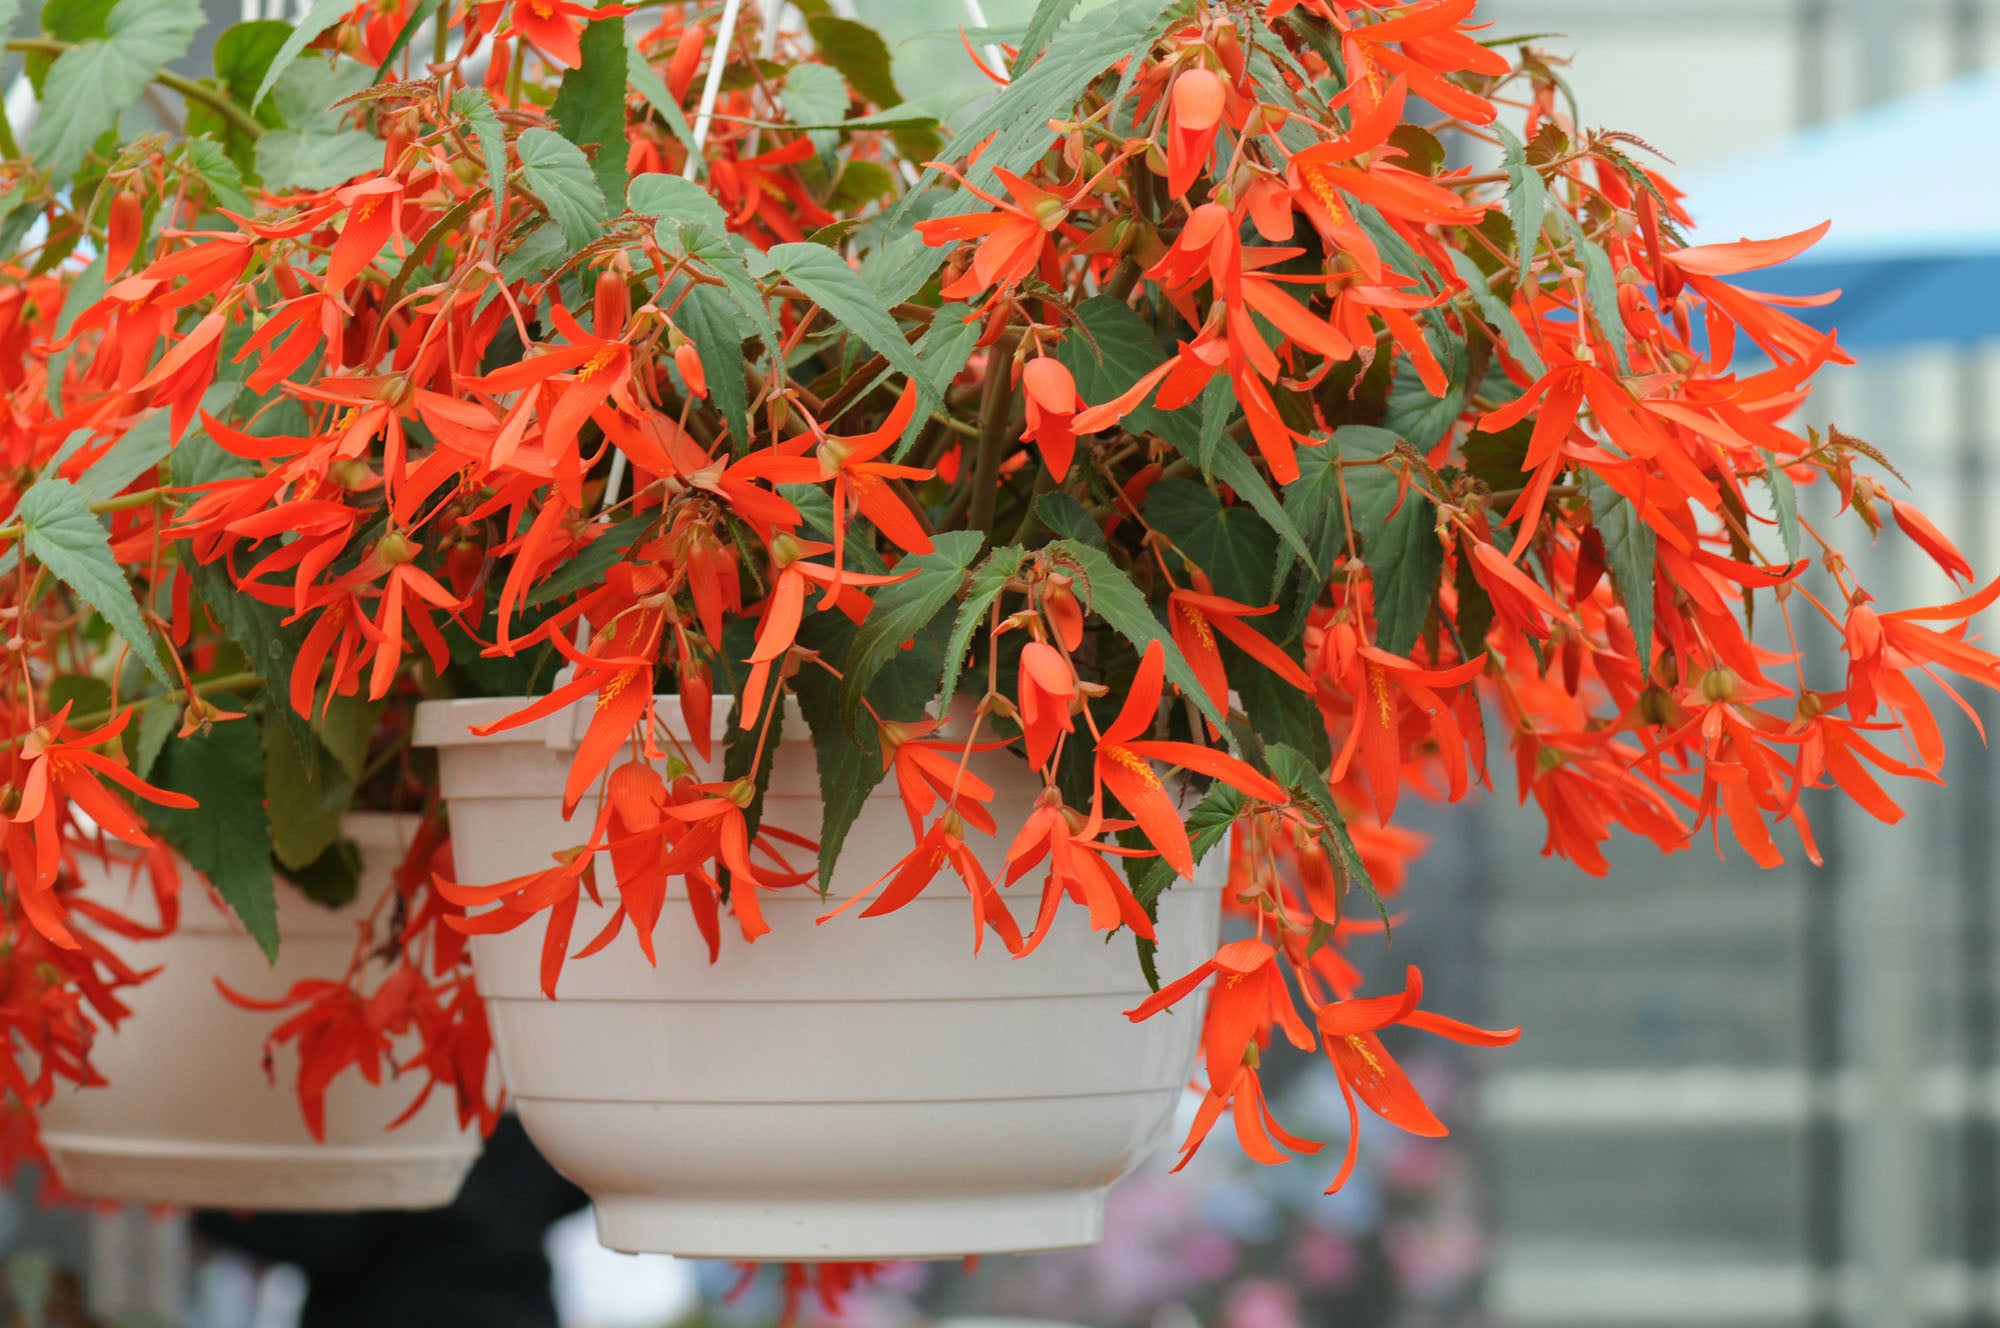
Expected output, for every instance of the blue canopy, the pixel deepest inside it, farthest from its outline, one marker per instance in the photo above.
(1913, 190)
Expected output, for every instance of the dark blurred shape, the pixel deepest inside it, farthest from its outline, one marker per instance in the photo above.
(477, 1264)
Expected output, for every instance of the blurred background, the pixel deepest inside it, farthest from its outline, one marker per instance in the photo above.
(1742, 1097)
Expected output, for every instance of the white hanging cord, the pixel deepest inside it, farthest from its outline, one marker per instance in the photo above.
(994, 55)
(725, 33)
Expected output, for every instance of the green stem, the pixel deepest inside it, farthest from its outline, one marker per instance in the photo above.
(124, 502)
(230, 682)
(993, 413)
(187, 87)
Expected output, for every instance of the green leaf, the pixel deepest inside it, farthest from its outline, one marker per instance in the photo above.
(556, 171)
(590, 106)
(709, 318)
(648, 83)
(1600, 285)
(943, 350)
(293, 159)
(1413, 412)
(858, 52)
(477, 108)
(269, 645)
(91, 84)
(583, 569)
(825, 278)
(669, 198)
(1231, 544)
(1306, 779)
(323, 15)
(143, 447)
(1218, 403)
(1785, 502)
(333, 879)
(157, 723)
(850, 765)
(1313, 500)
(306, 797)
(1400, 546)
(1208, 824)
(67, 538)
(984, 587)
(1496, 312)
(419, 14)
(1042, 24)
(1110, 594)
(227, 838)
(212, 162)
(1082, 50)
(1066, 517)
(1629, 554)
(814, 95)
(73, 20)
(1119, 349)
(905, 608)
(244, 52)
(1527, 202)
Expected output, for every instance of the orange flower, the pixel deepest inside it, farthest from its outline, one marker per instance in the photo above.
(1366, 1070)
(1124, 765)
(1048, 690)
(942, 844)
(1196, 618)
(1052, 408)
(1193, 117)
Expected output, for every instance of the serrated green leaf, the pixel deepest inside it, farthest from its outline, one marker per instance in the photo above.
(988, 580)
(1066, 517)
(477, 108)
(556, 171)
(323, 15)
(419, 14)
(157, 723)
(244, 52)
(1600, 285)
(1629, 551)
(669, 199)
(647, 82)
(296, 159)
(1298, 773)
(1785, 503)
(1496, 312)
(1049, 15)
(1208, 823)
(583, 569)
(65, 536)
(268, 643)
(1231, 544)
(858, 52)
(1527, 202)
(825, 278)
(1397, 528)
(903, 609)
(212, 162)
(74, 20)
(1111, 595)
(1119, 350)
(814, 95)
(1416, 415)
(590, 105)
(142, 448)
(227, 838)
(709, 318)
(91, 84)
(1218, 403)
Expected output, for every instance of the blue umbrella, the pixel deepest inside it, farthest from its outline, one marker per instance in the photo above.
(1913, 188)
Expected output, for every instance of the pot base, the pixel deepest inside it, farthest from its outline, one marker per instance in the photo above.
(322, 1178)
(807, 1229)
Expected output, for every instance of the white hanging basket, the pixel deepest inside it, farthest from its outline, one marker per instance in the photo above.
(867, 1089)
(189, 1116)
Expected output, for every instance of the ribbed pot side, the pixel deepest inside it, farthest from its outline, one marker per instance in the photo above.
(189, 1115)
(866, 1089)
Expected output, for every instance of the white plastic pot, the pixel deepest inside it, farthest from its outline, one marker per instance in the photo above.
(189, 1116)
(867, 1089)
